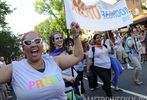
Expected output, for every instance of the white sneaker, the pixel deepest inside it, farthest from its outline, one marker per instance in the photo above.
(123, 68)
(9, 97)
(92, 89)
(97, 87)
(129, 67)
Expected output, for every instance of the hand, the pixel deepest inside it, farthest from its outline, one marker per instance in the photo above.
(111, 44)
(75, 28)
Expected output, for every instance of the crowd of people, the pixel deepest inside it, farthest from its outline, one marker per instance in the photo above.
(4, 88)
(58, 73)
(112, 49)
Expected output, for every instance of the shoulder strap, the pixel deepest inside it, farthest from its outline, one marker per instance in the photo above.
(93, 50)
(72, 70)
(104, 44)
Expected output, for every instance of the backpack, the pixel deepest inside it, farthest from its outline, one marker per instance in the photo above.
(127, 48)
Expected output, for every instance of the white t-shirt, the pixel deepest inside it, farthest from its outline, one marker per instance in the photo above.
(119, 40)
(101, 57)
(68, 71)
(30, 84)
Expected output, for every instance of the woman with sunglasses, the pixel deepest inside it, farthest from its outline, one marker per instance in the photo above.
(38, 77)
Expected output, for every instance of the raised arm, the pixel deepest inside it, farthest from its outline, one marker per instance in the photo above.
(89, 63)
(5, 74)
(66, 61)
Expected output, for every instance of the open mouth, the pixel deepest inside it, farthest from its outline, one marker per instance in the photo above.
(34, 51)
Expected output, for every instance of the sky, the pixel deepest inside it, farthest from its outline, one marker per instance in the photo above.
(24, 18)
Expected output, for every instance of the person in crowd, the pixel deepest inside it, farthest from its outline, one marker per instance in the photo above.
(139, 46)
(102, 63)
(39, 77)
(80, 70)
(142, 35)
(60, 46)
(82, 65)
(131, 49)
(86, 47)
(75, 72)
(115, 64)
(56, 43)
(145, 41)
(92, 76)
(120, 51)
(4, 88)
(144, 54)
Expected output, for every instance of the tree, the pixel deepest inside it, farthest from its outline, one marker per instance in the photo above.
(8, 41)
(143, 4)
(56, 20)
(9, 45)
(4, 10)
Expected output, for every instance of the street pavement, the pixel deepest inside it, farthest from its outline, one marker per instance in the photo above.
(130, 90)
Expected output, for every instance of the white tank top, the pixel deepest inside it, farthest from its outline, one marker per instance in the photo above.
(30, 84)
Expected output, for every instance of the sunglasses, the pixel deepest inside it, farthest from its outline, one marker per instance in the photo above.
(29, 42)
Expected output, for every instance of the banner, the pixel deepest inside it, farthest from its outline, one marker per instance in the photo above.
(98, 15)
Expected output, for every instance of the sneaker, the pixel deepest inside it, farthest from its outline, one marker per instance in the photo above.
(123, 68)
(117, 89)
(92, 89)
(138, 82)
(129, 67)
(9, 97)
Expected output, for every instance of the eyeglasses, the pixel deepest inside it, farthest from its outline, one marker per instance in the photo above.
(29, 42)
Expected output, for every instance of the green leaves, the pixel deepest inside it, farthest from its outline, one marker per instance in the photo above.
(56, 17)
(8, 42)
(4, 10)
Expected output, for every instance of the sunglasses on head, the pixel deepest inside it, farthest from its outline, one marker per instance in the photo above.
(29, 42)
